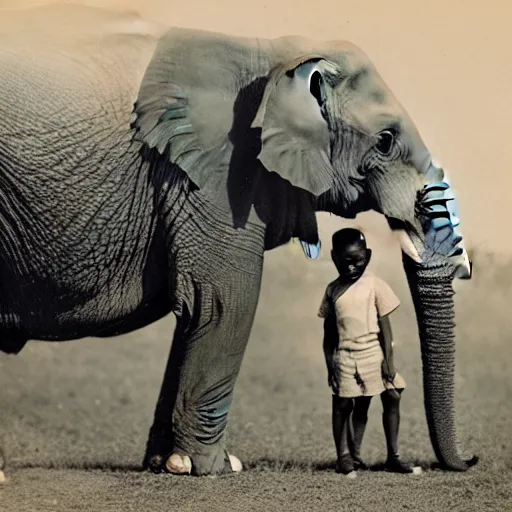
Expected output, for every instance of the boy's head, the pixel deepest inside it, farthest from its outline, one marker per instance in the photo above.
(350, 253)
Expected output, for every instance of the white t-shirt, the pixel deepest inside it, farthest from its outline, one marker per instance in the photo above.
(358, 309)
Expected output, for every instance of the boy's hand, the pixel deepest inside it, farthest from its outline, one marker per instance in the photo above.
(389, 377)
(333, 379)
(387, 373)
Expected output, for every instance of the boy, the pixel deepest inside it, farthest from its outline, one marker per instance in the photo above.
(358, 352)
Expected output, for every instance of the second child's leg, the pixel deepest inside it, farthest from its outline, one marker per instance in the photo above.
(391, 424)
(341, 409)
(359, 421)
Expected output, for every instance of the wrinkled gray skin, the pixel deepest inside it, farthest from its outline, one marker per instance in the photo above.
(145, 170)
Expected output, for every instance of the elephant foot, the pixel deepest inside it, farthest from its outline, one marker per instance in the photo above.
(181, 465)
(177, 464)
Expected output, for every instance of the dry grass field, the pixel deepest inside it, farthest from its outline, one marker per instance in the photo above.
(74, 416)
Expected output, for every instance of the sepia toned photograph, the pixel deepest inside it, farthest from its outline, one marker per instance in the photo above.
(254, 256)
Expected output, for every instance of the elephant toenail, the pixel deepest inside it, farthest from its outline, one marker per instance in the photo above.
(236, 463)
(179, 464)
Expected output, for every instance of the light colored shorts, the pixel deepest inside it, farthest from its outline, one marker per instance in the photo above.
(361, 372)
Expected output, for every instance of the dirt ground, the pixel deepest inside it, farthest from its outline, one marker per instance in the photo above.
(74, 417)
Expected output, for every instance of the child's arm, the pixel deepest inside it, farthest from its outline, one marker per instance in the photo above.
(330, 342)
(330, 339)
(386, 302)
(386, 341)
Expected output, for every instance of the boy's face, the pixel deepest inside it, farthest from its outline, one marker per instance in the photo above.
(351, 261)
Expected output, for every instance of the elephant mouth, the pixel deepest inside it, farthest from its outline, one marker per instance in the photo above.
(404, 232)
(407, 234)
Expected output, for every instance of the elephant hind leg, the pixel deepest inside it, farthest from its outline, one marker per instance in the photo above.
(160, 439)
(206, 355)
(2, 465)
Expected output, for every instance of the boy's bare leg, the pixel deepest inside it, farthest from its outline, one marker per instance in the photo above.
(341, 409)
(359, 421)
(391, 424)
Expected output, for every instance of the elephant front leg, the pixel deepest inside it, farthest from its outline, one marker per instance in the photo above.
(187, 434)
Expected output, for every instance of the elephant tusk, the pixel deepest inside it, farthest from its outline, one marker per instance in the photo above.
(465, 267)
(406, 244)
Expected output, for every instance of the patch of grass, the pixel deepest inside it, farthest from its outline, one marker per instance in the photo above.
(74, 417)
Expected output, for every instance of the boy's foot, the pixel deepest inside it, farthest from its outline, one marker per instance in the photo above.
(358, 462)
(345, 465)
(395, 465)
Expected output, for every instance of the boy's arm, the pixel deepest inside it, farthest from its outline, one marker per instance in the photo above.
(330, 338)
(386, 302)
(326, 312)
(330, 344)
(386, 341)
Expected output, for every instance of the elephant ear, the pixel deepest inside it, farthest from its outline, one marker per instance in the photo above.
(184, 108)
(295, 137)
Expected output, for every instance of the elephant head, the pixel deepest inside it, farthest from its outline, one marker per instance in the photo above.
(333, 128)
(316, 131)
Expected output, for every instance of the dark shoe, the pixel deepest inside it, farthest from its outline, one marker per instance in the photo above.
(345, 465)
(395, 465)
(358, 463)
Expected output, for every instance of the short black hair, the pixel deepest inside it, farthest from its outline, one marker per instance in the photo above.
(347, 236)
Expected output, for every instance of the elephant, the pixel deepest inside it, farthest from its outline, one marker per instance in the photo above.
(146, 169)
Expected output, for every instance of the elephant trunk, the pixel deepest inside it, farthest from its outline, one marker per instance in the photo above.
(432, 293)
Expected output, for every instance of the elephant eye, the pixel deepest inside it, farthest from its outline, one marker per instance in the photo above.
(385, 142)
